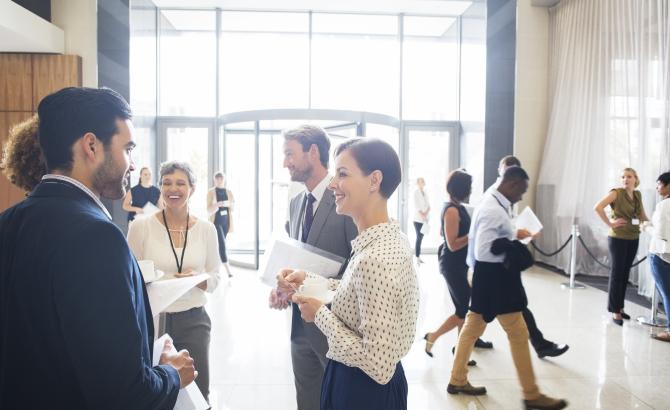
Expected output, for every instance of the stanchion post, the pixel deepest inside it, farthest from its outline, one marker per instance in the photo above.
(653, 320)
(573, 261)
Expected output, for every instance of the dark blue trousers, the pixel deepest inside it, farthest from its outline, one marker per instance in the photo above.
(349, 388)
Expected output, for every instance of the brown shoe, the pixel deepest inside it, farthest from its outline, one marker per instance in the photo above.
(545, 403)
(468, 389)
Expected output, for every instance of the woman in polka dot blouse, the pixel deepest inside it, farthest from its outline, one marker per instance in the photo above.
(372, 320)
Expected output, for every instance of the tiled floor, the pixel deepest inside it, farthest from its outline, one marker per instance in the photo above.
(607, 367)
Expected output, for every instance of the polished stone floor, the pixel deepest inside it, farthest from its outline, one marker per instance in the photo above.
(607, 367)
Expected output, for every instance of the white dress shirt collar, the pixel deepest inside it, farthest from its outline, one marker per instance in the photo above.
(502, 200)
(319, 190)
(79, 185)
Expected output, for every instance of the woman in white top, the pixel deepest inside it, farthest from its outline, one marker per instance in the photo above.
(422, 207)
(659, 249)
(182, 245)
(371, 324)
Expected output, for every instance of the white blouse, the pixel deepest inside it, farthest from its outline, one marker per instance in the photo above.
(420, 204)
(148, 239)
(660, 231)
(372, 321)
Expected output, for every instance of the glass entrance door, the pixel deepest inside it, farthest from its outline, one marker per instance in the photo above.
(431, 152)
(189, 141)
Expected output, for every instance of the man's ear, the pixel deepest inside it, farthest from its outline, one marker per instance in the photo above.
(89, 145)
(314, 152)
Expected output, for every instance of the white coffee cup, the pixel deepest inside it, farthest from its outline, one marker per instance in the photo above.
(147, 269)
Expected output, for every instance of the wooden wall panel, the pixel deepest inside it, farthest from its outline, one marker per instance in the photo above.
(9, 194)
(16, 82)
(53, 72)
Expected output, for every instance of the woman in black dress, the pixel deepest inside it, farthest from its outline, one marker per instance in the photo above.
(141, 194)
(220, 202)
(452, 255)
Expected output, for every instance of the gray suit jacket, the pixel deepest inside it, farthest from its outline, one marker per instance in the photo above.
(330, 232)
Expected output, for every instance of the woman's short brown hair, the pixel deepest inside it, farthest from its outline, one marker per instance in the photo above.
(23, 162)
(459, 185)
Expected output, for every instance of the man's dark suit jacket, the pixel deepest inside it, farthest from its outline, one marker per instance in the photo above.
(75, 322)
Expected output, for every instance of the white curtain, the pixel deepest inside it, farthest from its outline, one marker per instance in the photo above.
(609, 90)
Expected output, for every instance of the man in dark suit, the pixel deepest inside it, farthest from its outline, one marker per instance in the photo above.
(75, 321)
(312, 219)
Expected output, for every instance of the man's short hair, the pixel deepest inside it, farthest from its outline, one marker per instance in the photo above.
(510, 161)
(514, 173)
(68, 114)
(308, 135)
(664, 178)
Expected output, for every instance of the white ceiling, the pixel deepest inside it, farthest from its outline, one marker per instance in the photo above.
(24, 32)
(427, 7)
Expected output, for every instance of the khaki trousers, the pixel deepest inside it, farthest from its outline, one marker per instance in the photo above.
(517, 334)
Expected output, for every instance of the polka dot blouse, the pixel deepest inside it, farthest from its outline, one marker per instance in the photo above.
(372, 321)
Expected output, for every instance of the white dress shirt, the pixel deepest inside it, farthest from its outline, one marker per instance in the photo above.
(420, 204)
(372, 321)
(660, 231)
(148, 239)
(492, 220)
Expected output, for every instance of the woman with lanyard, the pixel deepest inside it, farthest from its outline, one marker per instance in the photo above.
(220, 203)
(371, 323)
(182, 245)
(627, 212)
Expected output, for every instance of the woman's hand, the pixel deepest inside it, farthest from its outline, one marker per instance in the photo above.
(308, 307)
(289, 280)
(615, 223)
(185, 274)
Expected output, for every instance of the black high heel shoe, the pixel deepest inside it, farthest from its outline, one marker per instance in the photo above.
(429, 345)
(625, 316)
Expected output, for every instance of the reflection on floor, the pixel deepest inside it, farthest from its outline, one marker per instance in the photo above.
(607, 367)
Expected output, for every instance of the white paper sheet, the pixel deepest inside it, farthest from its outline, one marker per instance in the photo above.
(528, 221)
(190, 397)
(162, 293)
(289, 253)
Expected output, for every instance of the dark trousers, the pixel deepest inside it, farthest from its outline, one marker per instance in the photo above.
(622, 254)
(419, 238)
(536, 337)
(661, 271)
(349, 388)
(190, 330)
(221, 232)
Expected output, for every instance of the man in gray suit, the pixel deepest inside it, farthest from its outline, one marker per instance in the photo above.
(312, 219)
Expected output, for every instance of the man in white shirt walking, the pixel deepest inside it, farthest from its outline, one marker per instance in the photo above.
(497, 291)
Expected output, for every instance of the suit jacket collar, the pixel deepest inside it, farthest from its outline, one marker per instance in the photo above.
(50, 188)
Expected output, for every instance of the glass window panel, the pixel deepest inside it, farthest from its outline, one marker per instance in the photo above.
(354, 71)
(187, 63)
(430, 69)
(262, 69)
(143, 62)
(428, 159)
(143, 153)
(191, 145)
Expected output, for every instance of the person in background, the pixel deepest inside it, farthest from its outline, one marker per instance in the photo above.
(659, 248)
(141, 194)
(422, 208)
(23, 147)
(543, 347)
(452, 257)
(182, 245)
(627, 213)
(371, 323)
(75, 321)
(498, 258)
(220, 202)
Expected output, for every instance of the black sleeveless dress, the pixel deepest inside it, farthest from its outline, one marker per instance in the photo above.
(453, 265)
(222, 222)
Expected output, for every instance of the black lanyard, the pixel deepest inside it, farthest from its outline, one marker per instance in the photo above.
(180, 264)
(507, 211)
